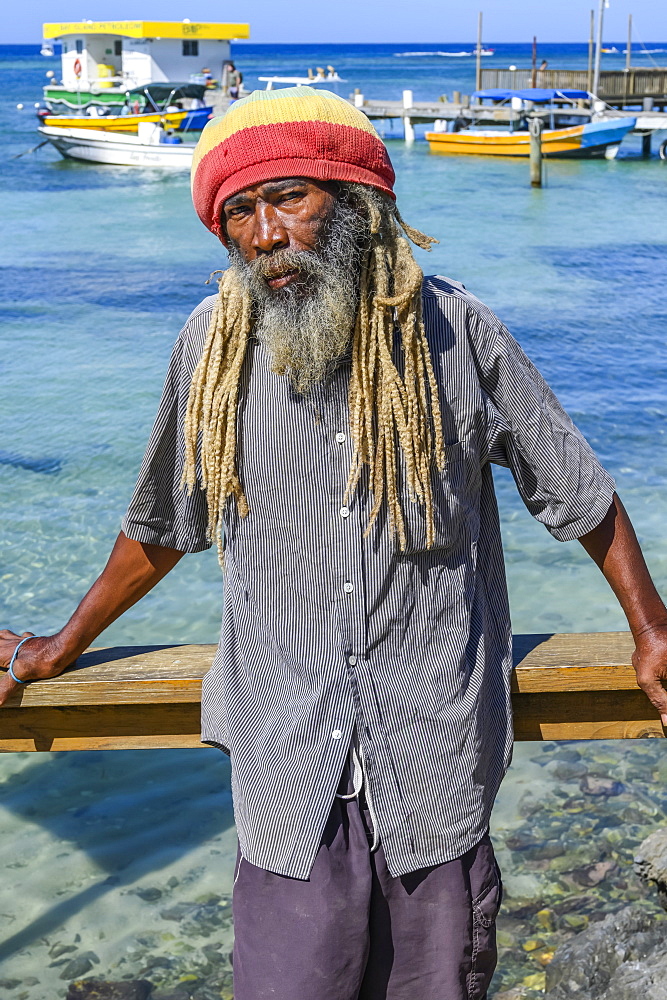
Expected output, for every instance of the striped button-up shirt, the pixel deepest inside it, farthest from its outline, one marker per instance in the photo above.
(325, 631)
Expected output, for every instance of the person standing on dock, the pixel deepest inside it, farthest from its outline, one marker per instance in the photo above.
(234, 81)
(330, 419)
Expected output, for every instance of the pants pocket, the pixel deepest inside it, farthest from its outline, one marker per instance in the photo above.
(485, 908)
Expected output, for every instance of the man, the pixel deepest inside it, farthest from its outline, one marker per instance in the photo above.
(330, 419)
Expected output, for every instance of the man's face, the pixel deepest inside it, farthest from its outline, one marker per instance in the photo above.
(279, 215)
(297, 245)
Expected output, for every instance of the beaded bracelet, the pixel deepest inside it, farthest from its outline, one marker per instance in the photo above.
(10, 668)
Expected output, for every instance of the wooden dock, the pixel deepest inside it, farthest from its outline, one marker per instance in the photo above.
(565, 687)
(462, 110)
(465, 113)
(635, 86)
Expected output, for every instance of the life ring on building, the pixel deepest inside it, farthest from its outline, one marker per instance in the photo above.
(77, 68)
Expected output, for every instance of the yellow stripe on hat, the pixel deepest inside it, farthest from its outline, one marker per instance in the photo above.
(293, 104)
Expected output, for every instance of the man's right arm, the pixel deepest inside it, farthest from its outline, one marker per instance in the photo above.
(133, 569)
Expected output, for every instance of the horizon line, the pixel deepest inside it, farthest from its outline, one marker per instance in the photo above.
(487, 43)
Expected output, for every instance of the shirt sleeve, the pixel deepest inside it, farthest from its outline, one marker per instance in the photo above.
(557, 473)
(161, 512)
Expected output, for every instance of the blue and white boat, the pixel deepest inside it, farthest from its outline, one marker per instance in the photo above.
(569, 130)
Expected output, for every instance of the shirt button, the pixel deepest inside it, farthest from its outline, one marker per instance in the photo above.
(348, 587)
(340, 437)
(344, 512)
(337, 734)
(352, 660)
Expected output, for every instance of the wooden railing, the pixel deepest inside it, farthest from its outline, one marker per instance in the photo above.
(617, 85)
(574, 687)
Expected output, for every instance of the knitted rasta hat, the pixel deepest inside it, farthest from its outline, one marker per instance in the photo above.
(295, 132)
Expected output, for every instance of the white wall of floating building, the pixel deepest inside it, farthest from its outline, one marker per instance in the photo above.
(160, 59)
(143, 60)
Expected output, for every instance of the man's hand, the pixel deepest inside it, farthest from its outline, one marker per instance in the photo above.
(650, 661)
(133, 569)
(614, 547)
(34, 663)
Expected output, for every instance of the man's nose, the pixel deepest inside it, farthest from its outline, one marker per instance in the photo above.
(270, 233)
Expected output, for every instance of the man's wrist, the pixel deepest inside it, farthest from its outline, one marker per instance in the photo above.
(54, 653)
(647, 628)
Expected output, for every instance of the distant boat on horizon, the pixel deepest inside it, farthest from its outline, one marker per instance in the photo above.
(450, 55)
(641, 52)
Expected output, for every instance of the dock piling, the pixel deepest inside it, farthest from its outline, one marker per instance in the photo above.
(536, 151)
(598, 47)
(407, 121)
(591, 49)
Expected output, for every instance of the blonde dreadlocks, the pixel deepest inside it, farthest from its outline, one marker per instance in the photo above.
(395, 418)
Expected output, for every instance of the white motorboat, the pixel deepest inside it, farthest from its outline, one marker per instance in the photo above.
(320, 76)
(151, 147)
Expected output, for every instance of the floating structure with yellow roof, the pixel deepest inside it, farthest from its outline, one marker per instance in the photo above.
(103, 60)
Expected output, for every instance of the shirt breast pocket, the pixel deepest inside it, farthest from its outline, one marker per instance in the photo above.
(455, 503)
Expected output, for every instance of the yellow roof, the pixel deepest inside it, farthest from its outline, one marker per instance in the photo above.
(149, 29)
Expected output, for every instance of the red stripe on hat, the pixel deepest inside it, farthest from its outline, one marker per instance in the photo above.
(320, 150)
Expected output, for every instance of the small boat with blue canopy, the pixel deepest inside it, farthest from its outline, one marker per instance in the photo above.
(570, 129)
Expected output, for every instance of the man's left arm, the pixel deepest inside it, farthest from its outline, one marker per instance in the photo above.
(614, 547)
(563, 485)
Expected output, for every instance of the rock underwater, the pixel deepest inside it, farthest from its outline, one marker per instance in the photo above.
(624, 956)
(97, 989)
(651, 863)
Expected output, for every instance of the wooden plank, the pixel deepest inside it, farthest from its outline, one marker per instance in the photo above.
(125, 675)
(585, 715)
(101, 727)
(579, 686)
(598, 661)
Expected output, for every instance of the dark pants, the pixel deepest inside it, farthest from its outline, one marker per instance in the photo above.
(353, 932)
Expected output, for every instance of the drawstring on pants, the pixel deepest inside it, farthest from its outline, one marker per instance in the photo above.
(359, 783)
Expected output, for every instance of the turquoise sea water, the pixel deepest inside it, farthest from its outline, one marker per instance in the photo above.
(99, 267)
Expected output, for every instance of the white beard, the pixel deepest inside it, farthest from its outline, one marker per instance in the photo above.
(307, 326)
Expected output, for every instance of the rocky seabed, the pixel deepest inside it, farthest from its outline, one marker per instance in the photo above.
(581, 835)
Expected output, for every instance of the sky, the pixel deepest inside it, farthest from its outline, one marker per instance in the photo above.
(429, 21)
